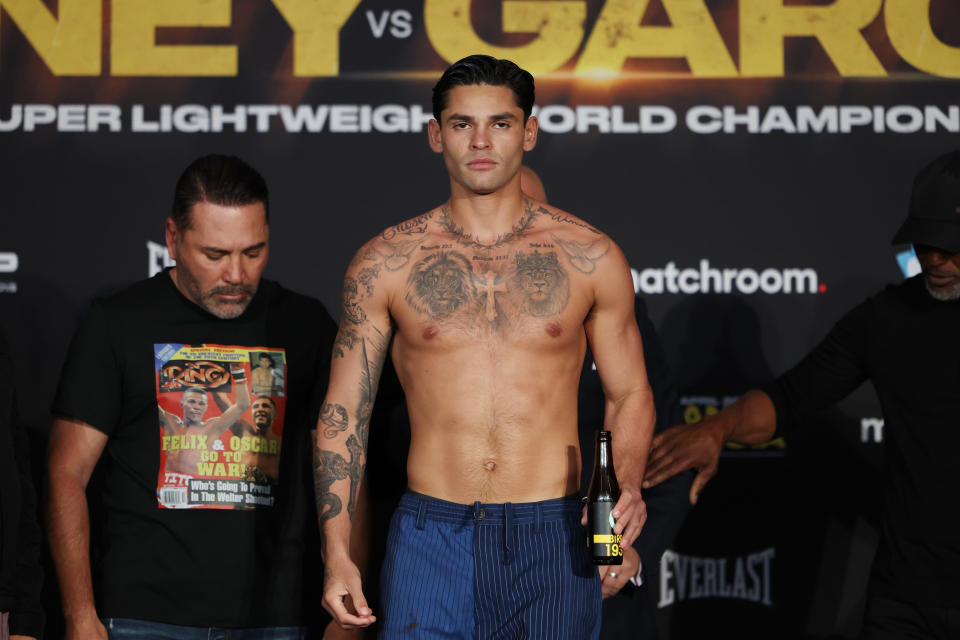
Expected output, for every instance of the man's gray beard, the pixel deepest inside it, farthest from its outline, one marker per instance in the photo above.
(206, 299)
(943, 295)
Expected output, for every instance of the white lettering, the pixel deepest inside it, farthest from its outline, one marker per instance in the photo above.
(871, 429)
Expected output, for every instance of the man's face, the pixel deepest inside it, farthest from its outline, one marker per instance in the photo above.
(264, 363)
(194, 405)
(221, 257)
(941, 271)
(482, 136)
(263, 414)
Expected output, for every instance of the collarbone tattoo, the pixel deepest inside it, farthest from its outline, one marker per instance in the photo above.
(519, 230)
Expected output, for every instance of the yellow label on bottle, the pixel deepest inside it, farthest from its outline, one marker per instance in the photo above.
(609, 538)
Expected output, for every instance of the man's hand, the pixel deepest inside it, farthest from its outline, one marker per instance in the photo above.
(343, 595)
(630, 512)
(686, 446)
(613, 577)
(334, 632)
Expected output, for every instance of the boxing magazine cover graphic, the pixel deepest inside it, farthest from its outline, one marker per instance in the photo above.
(221, 411)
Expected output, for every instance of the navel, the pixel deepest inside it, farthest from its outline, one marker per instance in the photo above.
(490, 465)
(554, 330)
(430, 332)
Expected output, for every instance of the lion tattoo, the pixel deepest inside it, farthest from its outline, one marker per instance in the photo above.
(441, 284)
(541, 284)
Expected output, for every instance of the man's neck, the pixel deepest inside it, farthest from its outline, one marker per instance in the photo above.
(485, 220)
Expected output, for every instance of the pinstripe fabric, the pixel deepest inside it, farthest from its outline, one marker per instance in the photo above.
(488, 571)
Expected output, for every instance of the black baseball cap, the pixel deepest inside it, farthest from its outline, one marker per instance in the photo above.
(934, 216)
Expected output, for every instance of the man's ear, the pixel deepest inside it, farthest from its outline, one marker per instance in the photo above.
(171, 231)
(530, 130)
(433, 135)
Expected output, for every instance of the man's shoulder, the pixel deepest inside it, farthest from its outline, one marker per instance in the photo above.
(137, 296)
(891, 303)
(299, 306)
(588, 250)
(391, 249)
(564, 222)
(906, 292)
(409, 229)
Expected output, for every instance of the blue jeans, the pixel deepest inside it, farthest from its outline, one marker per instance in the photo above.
(132, 629)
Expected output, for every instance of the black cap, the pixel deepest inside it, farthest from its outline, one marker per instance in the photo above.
(934, 217)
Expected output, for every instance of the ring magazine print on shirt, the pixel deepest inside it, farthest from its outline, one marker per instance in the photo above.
(220, 411)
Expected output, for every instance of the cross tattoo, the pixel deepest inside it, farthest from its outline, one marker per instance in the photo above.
(488, 283)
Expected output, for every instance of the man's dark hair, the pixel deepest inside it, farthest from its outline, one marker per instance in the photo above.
(480, 69)
(268, 357)
(199, 390)
(218, 179)
(268, 399)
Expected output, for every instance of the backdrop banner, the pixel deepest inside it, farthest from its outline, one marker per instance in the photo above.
(753, 159)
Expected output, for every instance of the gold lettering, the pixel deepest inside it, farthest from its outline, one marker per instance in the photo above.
(558, 25)
(316, 28)
(69, 44)
(911, 34)
(765, 23)
(693, 36)
(166, 442)
(134, 51)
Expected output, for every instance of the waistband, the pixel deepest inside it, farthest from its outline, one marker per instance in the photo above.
(426, 507)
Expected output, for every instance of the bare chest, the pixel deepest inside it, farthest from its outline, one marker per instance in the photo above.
(518, 295)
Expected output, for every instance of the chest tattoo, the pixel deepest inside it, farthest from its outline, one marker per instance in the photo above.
(444, 283)
(441, 284)
(542, 284)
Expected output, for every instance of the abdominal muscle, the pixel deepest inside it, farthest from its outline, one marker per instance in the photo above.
(494, 431)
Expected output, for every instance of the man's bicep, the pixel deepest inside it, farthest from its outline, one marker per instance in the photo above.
(359, 349)
(74, 448)
(354, 377)
(613, 332)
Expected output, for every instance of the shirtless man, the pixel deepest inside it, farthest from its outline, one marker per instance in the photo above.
(486, 305)
(264, 376)
(194, 403)
(261, 461)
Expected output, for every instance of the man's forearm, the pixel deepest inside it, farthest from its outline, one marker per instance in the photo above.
(752, 419)
(68, 522)
(331, 469)
(631, 422)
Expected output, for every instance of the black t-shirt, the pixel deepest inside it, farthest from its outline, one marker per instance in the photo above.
(908, 345)
(203, 517)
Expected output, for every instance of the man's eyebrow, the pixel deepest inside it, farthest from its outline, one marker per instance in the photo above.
(255, 247)
(460, 117)
(503, 116)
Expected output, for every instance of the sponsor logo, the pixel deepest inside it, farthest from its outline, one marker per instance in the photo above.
(871, 430)
(684, 577)
(708, 279)
(695, 408)
(9, 263)
(158, 258)
(909, 264)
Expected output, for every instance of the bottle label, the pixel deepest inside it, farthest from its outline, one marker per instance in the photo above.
(604, 543)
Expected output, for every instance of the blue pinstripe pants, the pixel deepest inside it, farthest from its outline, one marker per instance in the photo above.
(488, 571)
